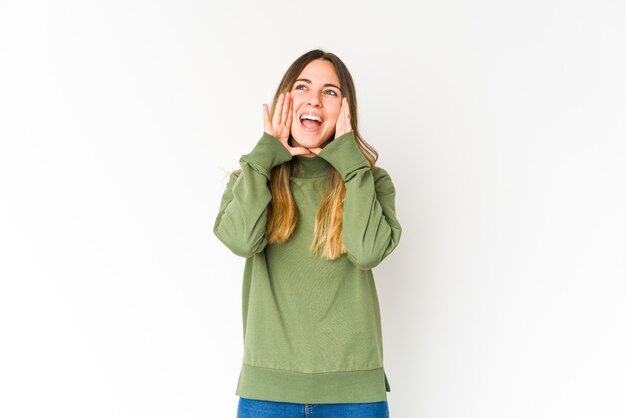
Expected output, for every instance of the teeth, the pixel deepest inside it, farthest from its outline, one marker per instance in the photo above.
(311, 117)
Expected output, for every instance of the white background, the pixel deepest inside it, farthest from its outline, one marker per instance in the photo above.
(502, 124)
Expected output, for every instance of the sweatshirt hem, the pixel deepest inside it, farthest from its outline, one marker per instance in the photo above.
(313, 388)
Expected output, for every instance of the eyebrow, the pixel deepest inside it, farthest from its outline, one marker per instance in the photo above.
(325, 85)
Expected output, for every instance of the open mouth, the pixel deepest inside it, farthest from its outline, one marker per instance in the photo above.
(310, 122)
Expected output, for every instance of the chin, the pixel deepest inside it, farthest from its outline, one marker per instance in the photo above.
(310, 144)
(307, 142)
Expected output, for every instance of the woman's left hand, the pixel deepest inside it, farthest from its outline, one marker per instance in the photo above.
(343, 124)
(343, 121)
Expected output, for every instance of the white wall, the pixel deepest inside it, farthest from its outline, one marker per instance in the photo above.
(501, 123)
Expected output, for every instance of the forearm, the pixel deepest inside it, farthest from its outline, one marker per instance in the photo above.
(370, 228)
(240, 223)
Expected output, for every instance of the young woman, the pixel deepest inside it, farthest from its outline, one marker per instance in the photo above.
(312, 215)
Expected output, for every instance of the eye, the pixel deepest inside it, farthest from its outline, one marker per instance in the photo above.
(331, 91)
(297, 87)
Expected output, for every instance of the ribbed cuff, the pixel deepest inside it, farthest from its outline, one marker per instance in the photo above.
(344, 154)
(266, 154)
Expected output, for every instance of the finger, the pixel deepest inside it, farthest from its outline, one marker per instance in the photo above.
(267, 125)
(290, 113)
(299, 150)
(341, 110)
(347, 117)
(343, 105)
(278, 110)
(286, 108)
(340, 123)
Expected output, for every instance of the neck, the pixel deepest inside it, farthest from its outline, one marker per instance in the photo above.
(309, 167)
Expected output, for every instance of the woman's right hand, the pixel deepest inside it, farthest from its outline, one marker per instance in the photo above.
(280, 125)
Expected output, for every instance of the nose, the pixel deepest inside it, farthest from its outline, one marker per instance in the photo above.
(313, 99)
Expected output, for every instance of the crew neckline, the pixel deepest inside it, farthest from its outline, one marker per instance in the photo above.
(311, 167)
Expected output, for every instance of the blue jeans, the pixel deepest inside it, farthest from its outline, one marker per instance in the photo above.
(254, 408)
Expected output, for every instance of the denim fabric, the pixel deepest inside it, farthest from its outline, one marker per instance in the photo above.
(254, 408)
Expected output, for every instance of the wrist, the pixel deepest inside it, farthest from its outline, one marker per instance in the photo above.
(266, 154)
(344, 154)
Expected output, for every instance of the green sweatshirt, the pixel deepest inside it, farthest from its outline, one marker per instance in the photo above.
(311, 327)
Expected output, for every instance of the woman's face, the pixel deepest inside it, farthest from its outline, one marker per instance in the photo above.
(316, 93)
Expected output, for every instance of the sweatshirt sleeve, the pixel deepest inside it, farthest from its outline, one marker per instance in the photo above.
(371, 230)
(241, 219)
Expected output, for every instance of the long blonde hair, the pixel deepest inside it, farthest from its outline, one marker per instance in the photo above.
(282, 215)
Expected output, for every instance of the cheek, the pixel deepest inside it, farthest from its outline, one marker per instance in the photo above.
(333, 114)
(297, 101)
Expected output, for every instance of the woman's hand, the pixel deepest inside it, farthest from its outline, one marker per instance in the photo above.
(342, 126)
(343, 121)
(280, 125)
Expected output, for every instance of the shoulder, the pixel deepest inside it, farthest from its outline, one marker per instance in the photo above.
(382, 180)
